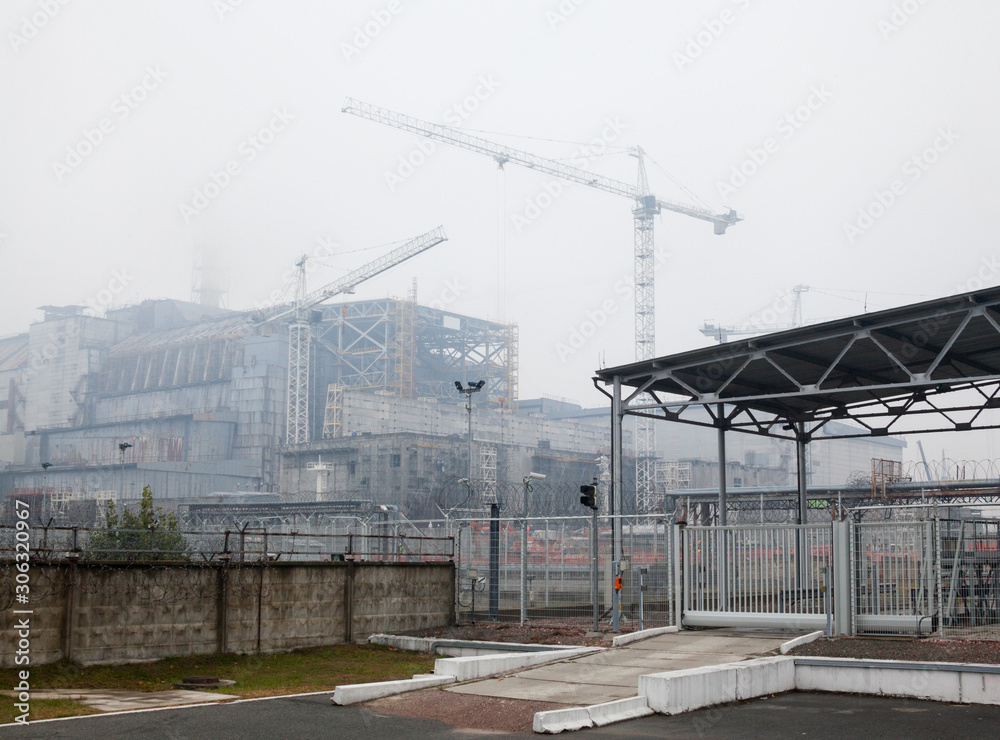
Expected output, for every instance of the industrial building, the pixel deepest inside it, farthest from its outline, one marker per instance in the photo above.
(191, 400)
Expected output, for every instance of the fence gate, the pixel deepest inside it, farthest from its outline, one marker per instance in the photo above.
(894, 579)
(777, 576)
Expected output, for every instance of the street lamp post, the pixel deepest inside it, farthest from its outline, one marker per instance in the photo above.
(122, 446)
(468, 391)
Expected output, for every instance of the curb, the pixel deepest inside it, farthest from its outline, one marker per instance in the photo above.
(642, 635)
(787, 647)
(359, 692)
(596, 715)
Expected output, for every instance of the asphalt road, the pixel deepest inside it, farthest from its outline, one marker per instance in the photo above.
(789, 715)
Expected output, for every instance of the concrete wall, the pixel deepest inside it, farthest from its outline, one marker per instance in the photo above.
(111, 613)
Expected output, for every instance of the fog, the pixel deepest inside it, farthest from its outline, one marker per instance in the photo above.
(857, 139)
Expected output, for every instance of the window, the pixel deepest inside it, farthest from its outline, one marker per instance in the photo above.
(395, 459)
(351, 467)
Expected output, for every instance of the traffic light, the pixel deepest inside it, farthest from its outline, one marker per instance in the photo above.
(589, 497)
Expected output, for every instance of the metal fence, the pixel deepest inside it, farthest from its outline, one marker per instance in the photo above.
(248, 544)
(556, 555)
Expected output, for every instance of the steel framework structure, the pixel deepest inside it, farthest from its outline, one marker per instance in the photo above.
(299, 332)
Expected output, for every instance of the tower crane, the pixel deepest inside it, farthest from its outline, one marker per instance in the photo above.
(299, 333)
(645, 207)
(722, 333)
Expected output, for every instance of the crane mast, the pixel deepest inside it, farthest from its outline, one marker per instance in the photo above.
(646, 207)
(299, 332)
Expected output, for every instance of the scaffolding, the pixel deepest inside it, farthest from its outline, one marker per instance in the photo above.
(333, 418)
(673, 475)
(416, 351)
(403, 344)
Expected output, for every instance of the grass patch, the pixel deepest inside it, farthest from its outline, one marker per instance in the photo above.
(315, 669)
(44, 709)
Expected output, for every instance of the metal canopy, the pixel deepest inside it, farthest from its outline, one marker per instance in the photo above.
(936, 361)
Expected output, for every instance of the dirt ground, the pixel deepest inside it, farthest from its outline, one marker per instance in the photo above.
(538, 632)
(465, 711)
(885, 648)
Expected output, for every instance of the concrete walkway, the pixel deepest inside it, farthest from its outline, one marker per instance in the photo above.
(614, 673)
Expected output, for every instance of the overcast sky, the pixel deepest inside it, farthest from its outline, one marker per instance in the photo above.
(858, 139)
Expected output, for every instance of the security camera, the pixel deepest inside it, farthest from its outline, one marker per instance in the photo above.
(534, 476)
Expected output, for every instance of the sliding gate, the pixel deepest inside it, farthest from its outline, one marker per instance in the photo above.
(864, 578)
(761, 576)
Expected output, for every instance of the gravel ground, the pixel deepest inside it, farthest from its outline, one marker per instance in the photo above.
(943, 651)
(464, 711)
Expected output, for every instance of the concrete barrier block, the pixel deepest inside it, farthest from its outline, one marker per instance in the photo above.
(359, 692)
(675, 692)
(562, 720)
(980, 688)
(619, 710)
(786, 647)
(763, 676)
(403, 642)
(641, 635)
(480, 666)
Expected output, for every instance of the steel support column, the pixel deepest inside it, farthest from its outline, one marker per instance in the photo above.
(802, 511)
(722, 467)
(723, 541)
(617, 479)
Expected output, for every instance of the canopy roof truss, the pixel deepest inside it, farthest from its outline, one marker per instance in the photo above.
(936, 362)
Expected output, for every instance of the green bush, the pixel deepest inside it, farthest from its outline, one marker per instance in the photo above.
(150, 534)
